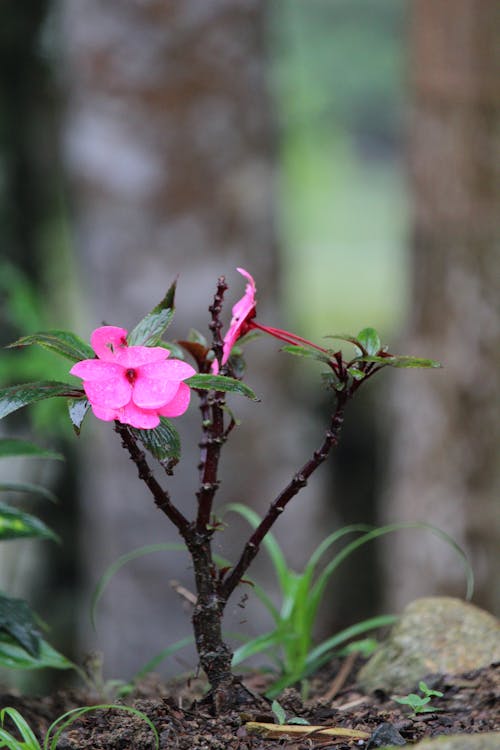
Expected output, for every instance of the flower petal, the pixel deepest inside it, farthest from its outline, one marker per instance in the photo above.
(107, 415)
(151, 393)
(157, 383)
(243, 311)
(96, 369)
(135, 356)
(136, 417)
(108, 342)
(178, 404)
(111, 394)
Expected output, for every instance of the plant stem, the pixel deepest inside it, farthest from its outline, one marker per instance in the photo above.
(212, 423)
(215, 656)
(277, 507)
(161, 496)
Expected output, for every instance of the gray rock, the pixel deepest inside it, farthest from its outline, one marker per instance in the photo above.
(484, 741)
(439, 635)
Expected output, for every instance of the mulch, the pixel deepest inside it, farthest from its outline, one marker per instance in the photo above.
(470, 704)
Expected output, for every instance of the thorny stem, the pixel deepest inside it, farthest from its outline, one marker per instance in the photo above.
(161, 496)
(277, 507)
(212, 423)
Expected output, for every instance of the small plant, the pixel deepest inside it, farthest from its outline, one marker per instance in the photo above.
(290, 643)
(131, 380)
(280, 715)
(29, 741)
(420, 704)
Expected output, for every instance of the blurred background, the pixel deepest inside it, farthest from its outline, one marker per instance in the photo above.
(343, 151)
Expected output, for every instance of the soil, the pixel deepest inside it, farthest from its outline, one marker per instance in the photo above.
(469, 705)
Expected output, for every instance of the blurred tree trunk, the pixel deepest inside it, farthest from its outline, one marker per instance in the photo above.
(445, 467)
(169, 145)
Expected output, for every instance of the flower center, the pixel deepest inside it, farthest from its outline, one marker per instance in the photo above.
(131, 375)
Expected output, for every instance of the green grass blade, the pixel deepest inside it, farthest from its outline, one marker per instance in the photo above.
(29, 739)
(326, 646)
(161, 656)
(256, 646)
(12, 744)
(112, 569)
(266, 601)
(332, 538)
(381, 531)
(50, 743)
(269, 541)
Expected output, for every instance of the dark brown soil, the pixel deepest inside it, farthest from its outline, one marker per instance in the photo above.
(470, 704)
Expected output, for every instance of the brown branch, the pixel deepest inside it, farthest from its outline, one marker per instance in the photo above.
(212, 422)
(292, 488)
(161, 496)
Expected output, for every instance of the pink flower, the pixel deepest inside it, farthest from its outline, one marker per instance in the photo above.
(243, 312)
(133, 384)
(243, 320)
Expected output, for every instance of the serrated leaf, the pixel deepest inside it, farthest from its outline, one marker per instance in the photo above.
(151, 328)
(11, 447)
(402, 361)
(16, 619)
(163, 442)
(304, 351)
(65, 343)
(370, 339)
(35, 489)
(16, 524)
(77, 409)
(17, 396)
(406, 361)
(14, 656)
(220, 383)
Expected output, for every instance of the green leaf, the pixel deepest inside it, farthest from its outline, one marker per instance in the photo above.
(10, 447)
(400, 360)
(30, 742)
(14, 656)
(16, 396)
(355, 373)
(77, 409)
(304, 351)
(15, 524)
(328, 645)
(370, 340)
(195, 337)
(278, 711)
(65, 343)
(220, 383)
(176, 351)
(151, 328)
(16, 619)
(35, 489)
(163, 442)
